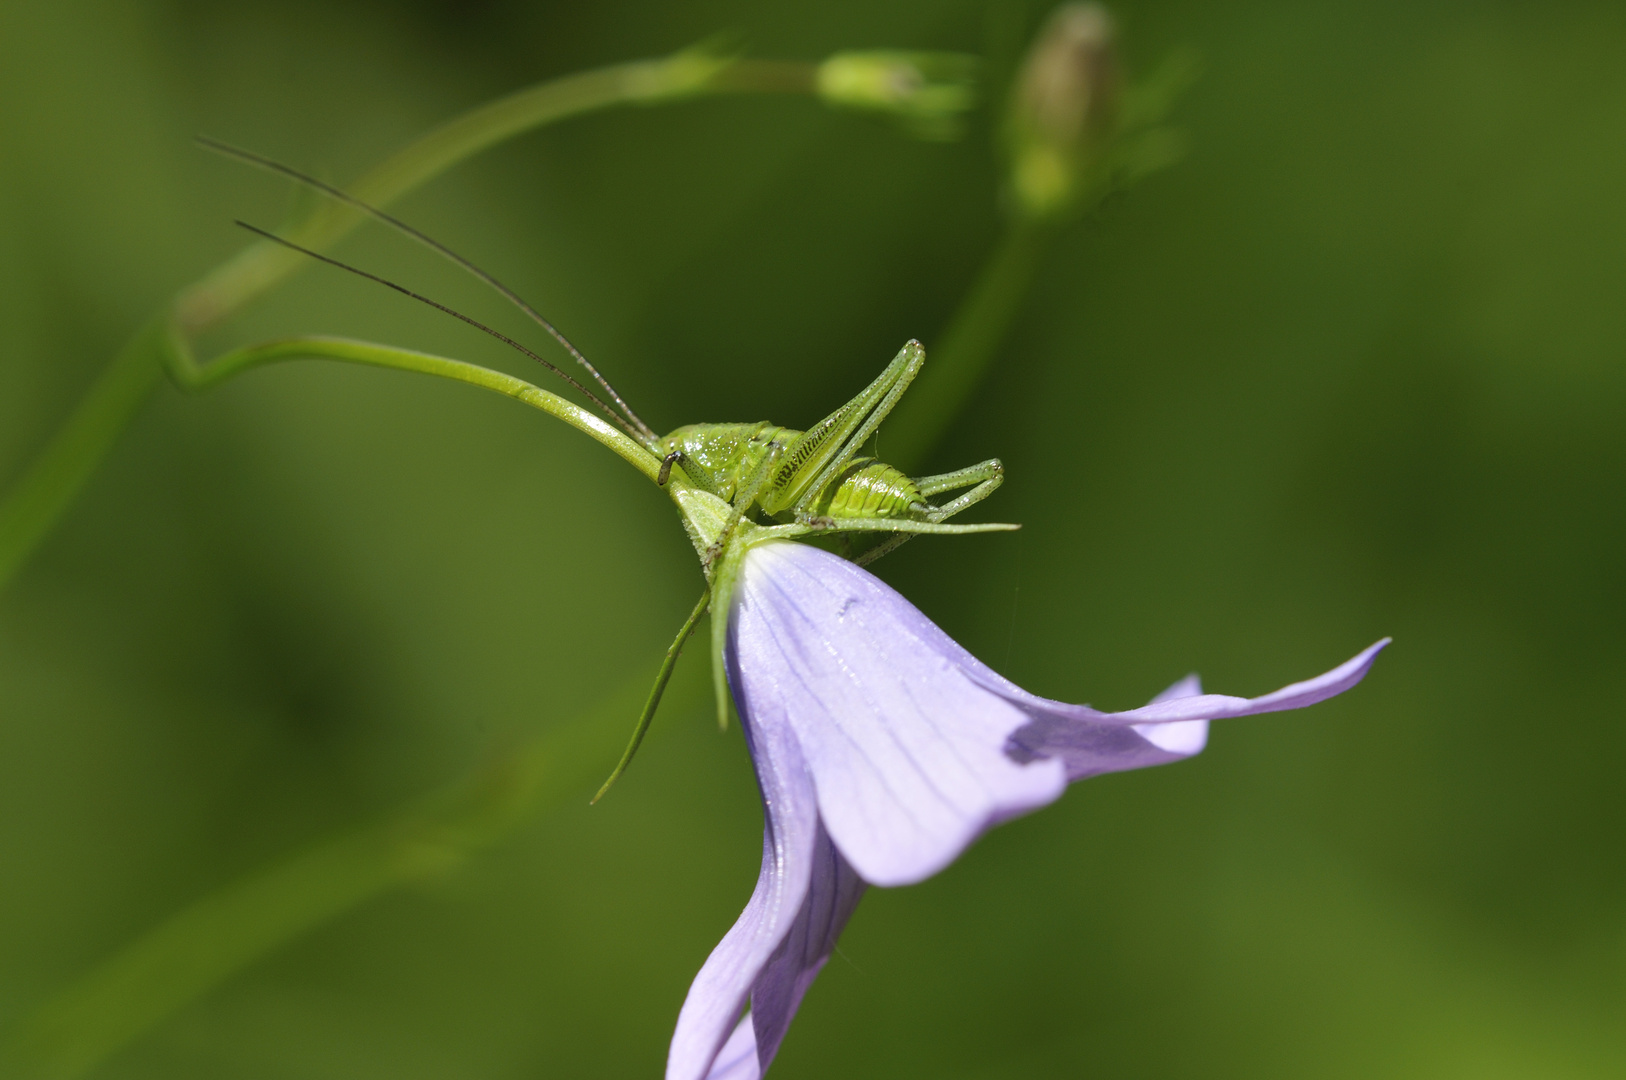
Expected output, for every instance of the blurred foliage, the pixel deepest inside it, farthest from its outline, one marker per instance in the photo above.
(1357, 366)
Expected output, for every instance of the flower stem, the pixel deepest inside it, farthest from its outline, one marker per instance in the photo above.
(46, 490)
(957, 363)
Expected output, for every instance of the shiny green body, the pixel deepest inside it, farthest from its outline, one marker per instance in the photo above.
(816, 478)
(720, 457)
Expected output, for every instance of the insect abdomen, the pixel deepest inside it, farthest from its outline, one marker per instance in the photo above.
(868, 488)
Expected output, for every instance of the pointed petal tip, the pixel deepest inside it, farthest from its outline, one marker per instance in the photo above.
(1348, 673)
(1169, 707)
(1190, 686)
(1188, 737)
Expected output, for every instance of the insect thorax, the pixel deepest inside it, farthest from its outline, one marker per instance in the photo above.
(719, 457)
(722, 457)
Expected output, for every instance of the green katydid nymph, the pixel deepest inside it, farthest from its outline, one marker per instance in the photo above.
(816, 480)
(735, 484)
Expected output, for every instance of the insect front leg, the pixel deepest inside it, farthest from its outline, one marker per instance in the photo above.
(666, 467)
(744, 496)
(986, 476)
(885, 547)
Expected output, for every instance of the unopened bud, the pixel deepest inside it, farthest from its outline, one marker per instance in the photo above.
(927, 92)
(1063, 109)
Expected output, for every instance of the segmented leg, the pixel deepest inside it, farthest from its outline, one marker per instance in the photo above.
(666, 467)
(885, 547)
(959, 478)
(743, 498)
(903, 368)
(987, 476)
(653, 701)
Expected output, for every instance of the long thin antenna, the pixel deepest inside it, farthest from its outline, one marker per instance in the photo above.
(644, 435)
(438, 306)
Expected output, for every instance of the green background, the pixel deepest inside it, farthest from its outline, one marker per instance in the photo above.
(1355, 367)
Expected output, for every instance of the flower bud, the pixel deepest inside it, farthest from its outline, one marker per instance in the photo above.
(1063, 109)
(926, 91)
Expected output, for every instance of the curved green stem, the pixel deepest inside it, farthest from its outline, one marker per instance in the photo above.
(48, 488)
(195, 376)
(957, 362)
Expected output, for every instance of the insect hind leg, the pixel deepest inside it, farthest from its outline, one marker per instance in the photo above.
(871, 407)
(985, 477)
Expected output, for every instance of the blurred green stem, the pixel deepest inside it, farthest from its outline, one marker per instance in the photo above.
(212, 939)
(958, 361)
(45, 491)
(50, 483)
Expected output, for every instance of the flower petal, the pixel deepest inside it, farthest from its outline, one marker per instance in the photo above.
(832, 895)
(790, 834)
(882, 749)
(915, 746)
(1182, 737)
(1222, 706)
(777, 991)
(906, 747)
(1172, 727)
(738, 1058)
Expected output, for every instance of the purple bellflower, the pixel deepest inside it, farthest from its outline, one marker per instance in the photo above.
(882, 750)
